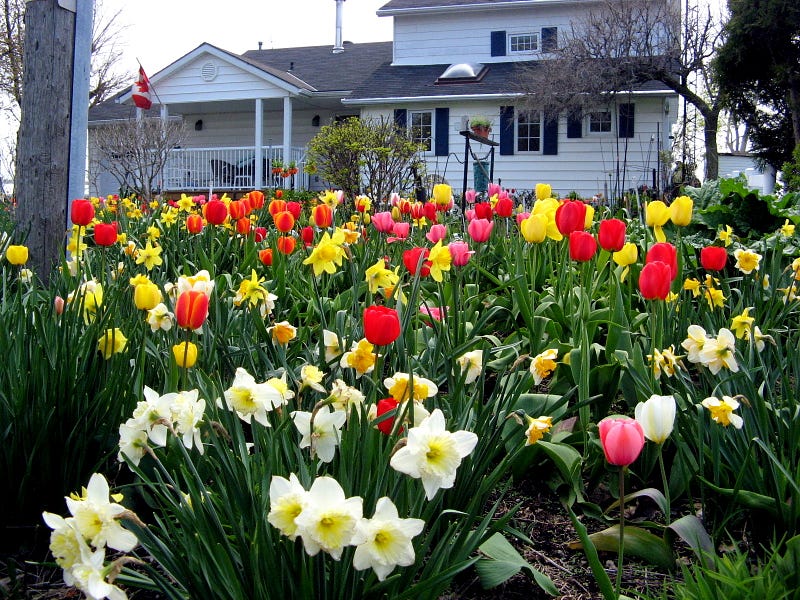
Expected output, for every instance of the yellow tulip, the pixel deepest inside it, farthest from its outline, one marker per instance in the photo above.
(628, 255)
(680, 211)
(17, 255)
(587, 223)
(442, 194)
(185, 354)
(656, 216)
(543, 191)
(146, 296)
(534, 228)
(111, 343)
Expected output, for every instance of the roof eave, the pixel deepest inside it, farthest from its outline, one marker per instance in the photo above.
(468, 97)
(399, 12)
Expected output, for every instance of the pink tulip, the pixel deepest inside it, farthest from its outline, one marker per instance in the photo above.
(401, 230)
(480, 229)
(469, 214)
(522, 216)
(383, 222)
(470, 196)
(622, 439)
(436, 232)
(460, 253)
(493, 189)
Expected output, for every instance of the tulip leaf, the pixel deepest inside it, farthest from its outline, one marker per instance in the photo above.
(654, 494)
(746, 497)
(638, 542)
(503, 561)
(567, 461)
(690, 529)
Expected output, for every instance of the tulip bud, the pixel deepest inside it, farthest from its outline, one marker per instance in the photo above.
(381, 325)
(191, 309)
(713, 258)
(146, 296)
(216, 212)
(611, 234)
(622, 440)
(17, 255)
(185, 354)
(81, 212)
(657, 417)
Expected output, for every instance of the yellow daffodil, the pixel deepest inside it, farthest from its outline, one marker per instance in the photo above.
(664, 361)
(726, 235)
(252, 293)
(361, 357)
(536, 429)
(656, 216)
(741, 324)
(747, 261)
(150, 256)
(378, 276)
(692, 285)
(399, 383)
(283, 332)
(787, 229)
(153, 233)
(169, 217)
(440, 259)
(722, 411)
(326, 256)
(186, 203)
(714, 297)
(111, 343)
(680, 211)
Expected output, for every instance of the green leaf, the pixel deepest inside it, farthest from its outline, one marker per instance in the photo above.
(504, 562)
(652, 493)
(690, 529)
(568, 462)
(638, 542)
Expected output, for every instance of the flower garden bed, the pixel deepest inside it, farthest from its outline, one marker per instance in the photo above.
(331, 397)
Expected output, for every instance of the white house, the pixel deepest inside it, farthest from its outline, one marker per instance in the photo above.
(449, 60)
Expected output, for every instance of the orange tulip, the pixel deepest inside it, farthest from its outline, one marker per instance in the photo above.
(284, 221)
(286, 244)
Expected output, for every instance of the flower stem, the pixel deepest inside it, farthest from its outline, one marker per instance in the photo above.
(665, 484)
(621, 547)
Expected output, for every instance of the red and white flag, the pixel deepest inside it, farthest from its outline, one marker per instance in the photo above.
(141, 91)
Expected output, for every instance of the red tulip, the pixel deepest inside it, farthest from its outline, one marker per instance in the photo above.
(713, 258)
(265, 256)
(105, 234)
(429, 210)
(480, 229)
(504, 207)
(417, 211)
(322, 215)
(191, 309)
(655, 280)
(381, 325)
(238, 209)
(256, 198)
(411, 259)
(307, 234)
(611, 234)
(81, 212)
(622, 440)
(284, 221)
(582, 246)
(666, 253)
(276, 206)
(385, 405)
(286, 244)
(571, 216)
(194, 223)
(260, 234)
(295, 208)
(216, 212)
(483, 210)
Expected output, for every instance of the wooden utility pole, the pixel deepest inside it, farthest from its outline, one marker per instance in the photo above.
(55, 55)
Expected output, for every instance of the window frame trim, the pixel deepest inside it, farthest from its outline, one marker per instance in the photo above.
(517, 138)
(409, 124)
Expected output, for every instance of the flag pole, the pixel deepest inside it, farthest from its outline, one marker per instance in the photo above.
(152, 87)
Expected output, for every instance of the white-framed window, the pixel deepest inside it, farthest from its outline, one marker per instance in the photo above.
(420, 124)
(529, 131)
(523, 42)
(598, 121)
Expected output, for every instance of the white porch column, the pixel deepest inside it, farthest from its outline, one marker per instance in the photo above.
(287, 130)
(259, 142)
(164, 113)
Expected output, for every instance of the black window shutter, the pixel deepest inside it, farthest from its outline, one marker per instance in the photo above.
(549, 39)
(506, 130)
(626, 120)
(550, 134)
(400, 118)
(442, 132)
(498, 42)
(575, 124)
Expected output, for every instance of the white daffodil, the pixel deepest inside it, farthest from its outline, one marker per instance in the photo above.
(159, 317)
(251, 400)
(88, 575)
(718, 352)
(132, 441)
(345, 397)
(152, 414)
(311, 377)
(333, 347)
(282, 388)
(64, 545)
(384, 541)
(657, 417)
(694, 343)
(287, 499)
(543, 364)
(96, 517)
(201, 282)
(722, 411)
(472, 363)
(187, 414)
(433, 454)
(328, 521)
(326, 432)
(399, 386)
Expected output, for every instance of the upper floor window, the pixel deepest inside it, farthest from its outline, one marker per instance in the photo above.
(529, 132)
(523, 42)
(600, 121)
(421, 126)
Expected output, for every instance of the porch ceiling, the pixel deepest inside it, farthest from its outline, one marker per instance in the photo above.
(298, 103)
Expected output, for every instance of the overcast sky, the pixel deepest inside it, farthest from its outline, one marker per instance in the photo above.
(158, 32)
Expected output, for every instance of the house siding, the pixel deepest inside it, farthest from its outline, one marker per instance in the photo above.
(587, 165)
(465, 36)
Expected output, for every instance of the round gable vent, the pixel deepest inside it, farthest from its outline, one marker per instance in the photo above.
(209, 71)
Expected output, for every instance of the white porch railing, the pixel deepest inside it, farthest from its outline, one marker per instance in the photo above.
(230, 168)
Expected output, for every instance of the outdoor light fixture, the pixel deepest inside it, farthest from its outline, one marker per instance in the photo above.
(198, 125)
(315, 121)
